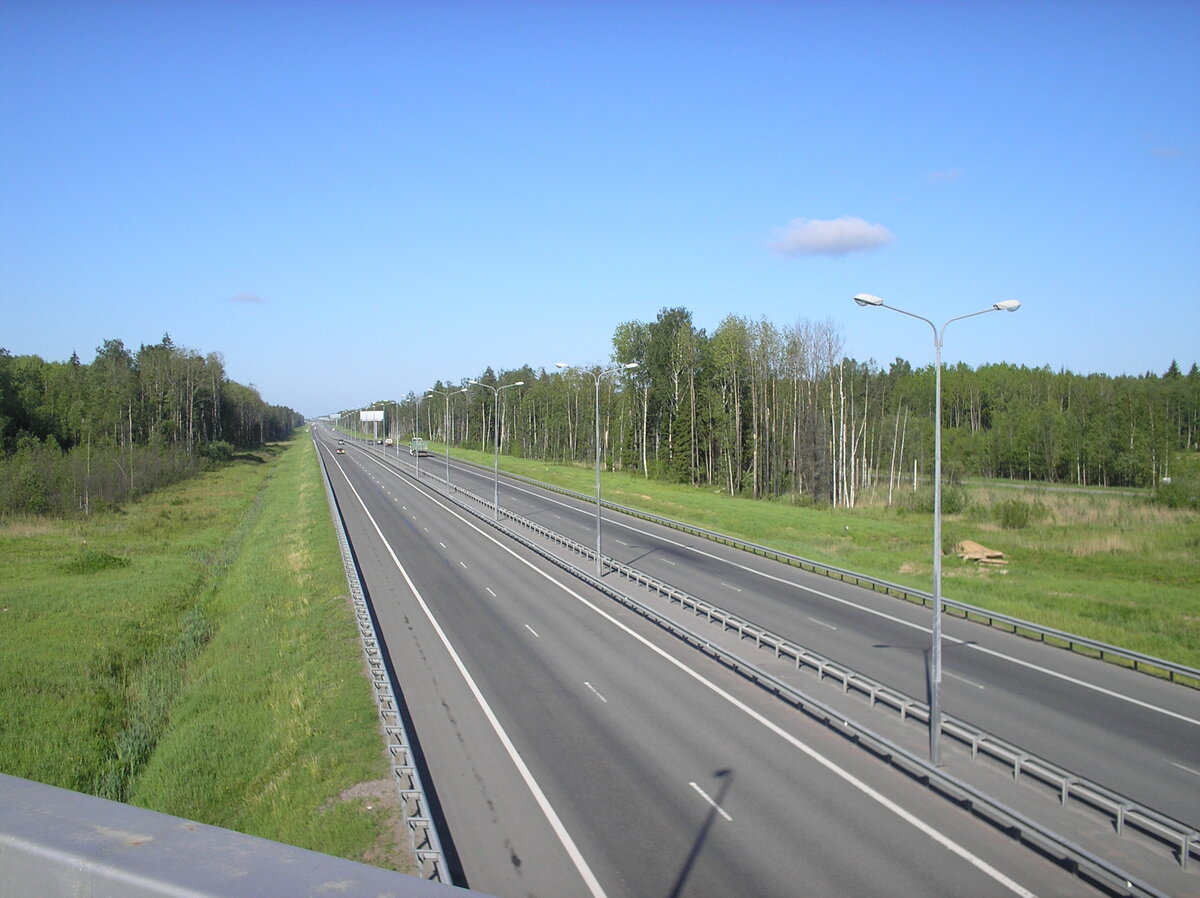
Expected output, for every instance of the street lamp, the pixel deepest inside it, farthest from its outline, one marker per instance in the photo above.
(935, 661)
(597, 376)
(446, 432)
(496, 450)
(416, 436)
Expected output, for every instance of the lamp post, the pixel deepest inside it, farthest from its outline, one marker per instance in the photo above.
(496, 450)
(446, 433)
(416, 436)
(596, 376)
(935, 658)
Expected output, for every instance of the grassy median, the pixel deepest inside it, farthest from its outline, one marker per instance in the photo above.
(196, 653)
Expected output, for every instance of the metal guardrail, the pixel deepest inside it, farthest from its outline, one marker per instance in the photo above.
(1160, 667)
(1027, 830)
(422, 833)
(1120, 809)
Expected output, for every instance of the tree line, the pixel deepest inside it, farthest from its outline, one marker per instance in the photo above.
(766, 411)
(75, 436)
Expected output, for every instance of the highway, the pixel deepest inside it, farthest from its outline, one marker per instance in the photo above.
(1090, 717)
(575, 748)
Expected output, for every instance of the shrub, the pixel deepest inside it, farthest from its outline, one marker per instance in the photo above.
(1014, 514)
(954, 500)
(1181, 492)
(89, 562)
(216, 453)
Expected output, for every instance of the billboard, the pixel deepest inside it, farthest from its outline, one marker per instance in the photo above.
(371, 415)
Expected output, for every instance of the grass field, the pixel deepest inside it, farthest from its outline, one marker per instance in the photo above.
(196, 654)
(1100, 563)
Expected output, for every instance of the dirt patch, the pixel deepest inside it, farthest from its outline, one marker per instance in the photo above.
(379, 799)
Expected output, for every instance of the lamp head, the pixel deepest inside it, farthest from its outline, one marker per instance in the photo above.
(561, 365)
(866, 299)
(632, 364)
(519, 383)
(477, 383)
(1007, 305)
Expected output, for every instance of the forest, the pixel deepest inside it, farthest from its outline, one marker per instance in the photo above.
(77, 437)
(764, 411)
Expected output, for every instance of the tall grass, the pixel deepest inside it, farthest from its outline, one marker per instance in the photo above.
(195, 653)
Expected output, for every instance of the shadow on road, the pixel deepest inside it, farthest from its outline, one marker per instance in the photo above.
(725, 776)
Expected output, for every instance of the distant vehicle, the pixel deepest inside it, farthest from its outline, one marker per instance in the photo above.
(341, 442)
(418, 448)
(388, 441)
(341, 451)
(380, 442)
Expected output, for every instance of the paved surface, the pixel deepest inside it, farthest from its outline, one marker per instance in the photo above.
(576, 749)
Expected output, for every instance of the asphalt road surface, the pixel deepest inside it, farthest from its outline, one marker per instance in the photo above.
(573, 748)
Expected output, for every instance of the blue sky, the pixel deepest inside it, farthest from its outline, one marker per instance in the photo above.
(351, 200)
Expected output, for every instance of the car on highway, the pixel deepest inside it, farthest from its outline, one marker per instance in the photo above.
(341, 451)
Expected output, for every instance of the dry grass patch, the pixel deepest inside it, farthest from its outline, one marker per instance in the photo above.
(27, 528)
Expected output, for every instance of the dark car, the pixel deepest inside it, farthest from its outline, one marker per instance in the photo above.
(341, 451)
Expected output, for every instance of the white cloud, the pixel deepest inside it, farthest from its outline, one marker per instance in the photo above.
(246, 297)
(836, 237)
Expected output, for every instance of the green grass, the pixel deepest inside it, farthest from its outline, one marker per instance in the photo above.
(1099, 563)
(196, 654)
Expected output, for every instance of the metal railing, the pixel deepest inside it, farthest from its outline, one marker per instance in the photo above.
(1120, 809)
(1022, 827)
(55, 842)
(1160, 667)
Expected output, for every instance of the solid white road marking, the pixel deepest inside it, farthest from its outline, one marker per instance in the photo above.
(822, 623)
(533, 631)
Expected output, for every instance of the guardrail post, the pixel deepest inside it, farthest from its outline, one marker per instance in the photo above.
(1186, 847)
(1067, 783)
(1017, 762)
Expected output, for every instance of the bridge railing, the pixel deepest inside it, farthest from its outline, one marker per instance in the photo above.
(55, 842)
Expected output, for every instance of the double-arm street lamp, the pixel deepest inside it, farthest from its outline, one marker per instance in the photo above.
(446, 433)
(597, 375)
(935, 659)
(496, 450)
